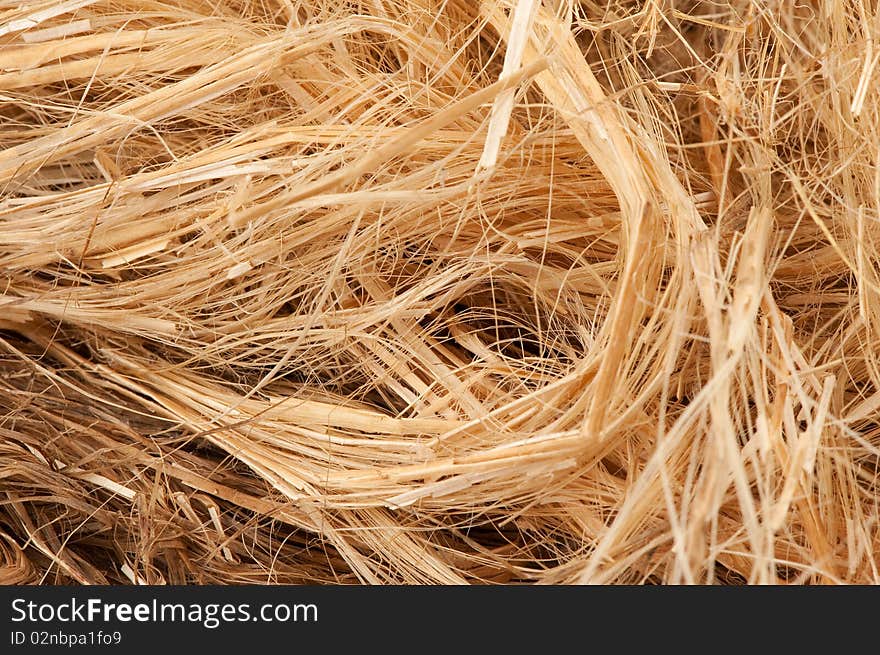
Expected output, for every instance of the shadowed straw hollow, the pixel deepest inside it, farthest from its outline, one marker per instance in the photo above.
(439, 291)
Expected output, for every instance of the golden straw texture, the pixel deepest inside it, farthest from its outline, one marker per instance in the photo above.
(439, 291)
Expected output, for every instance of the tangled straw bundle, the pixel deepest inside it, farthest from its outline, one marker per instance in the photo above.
(439, 291)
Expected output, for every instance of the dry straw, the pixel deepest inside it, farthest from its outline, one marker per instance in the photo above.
(439, 291)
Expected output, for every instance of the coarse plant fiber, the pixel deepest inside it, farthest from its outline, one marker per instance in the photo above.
(439, 291)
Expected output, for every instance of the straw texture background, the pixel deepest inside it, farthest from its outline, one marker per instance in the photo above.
(439, 291)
